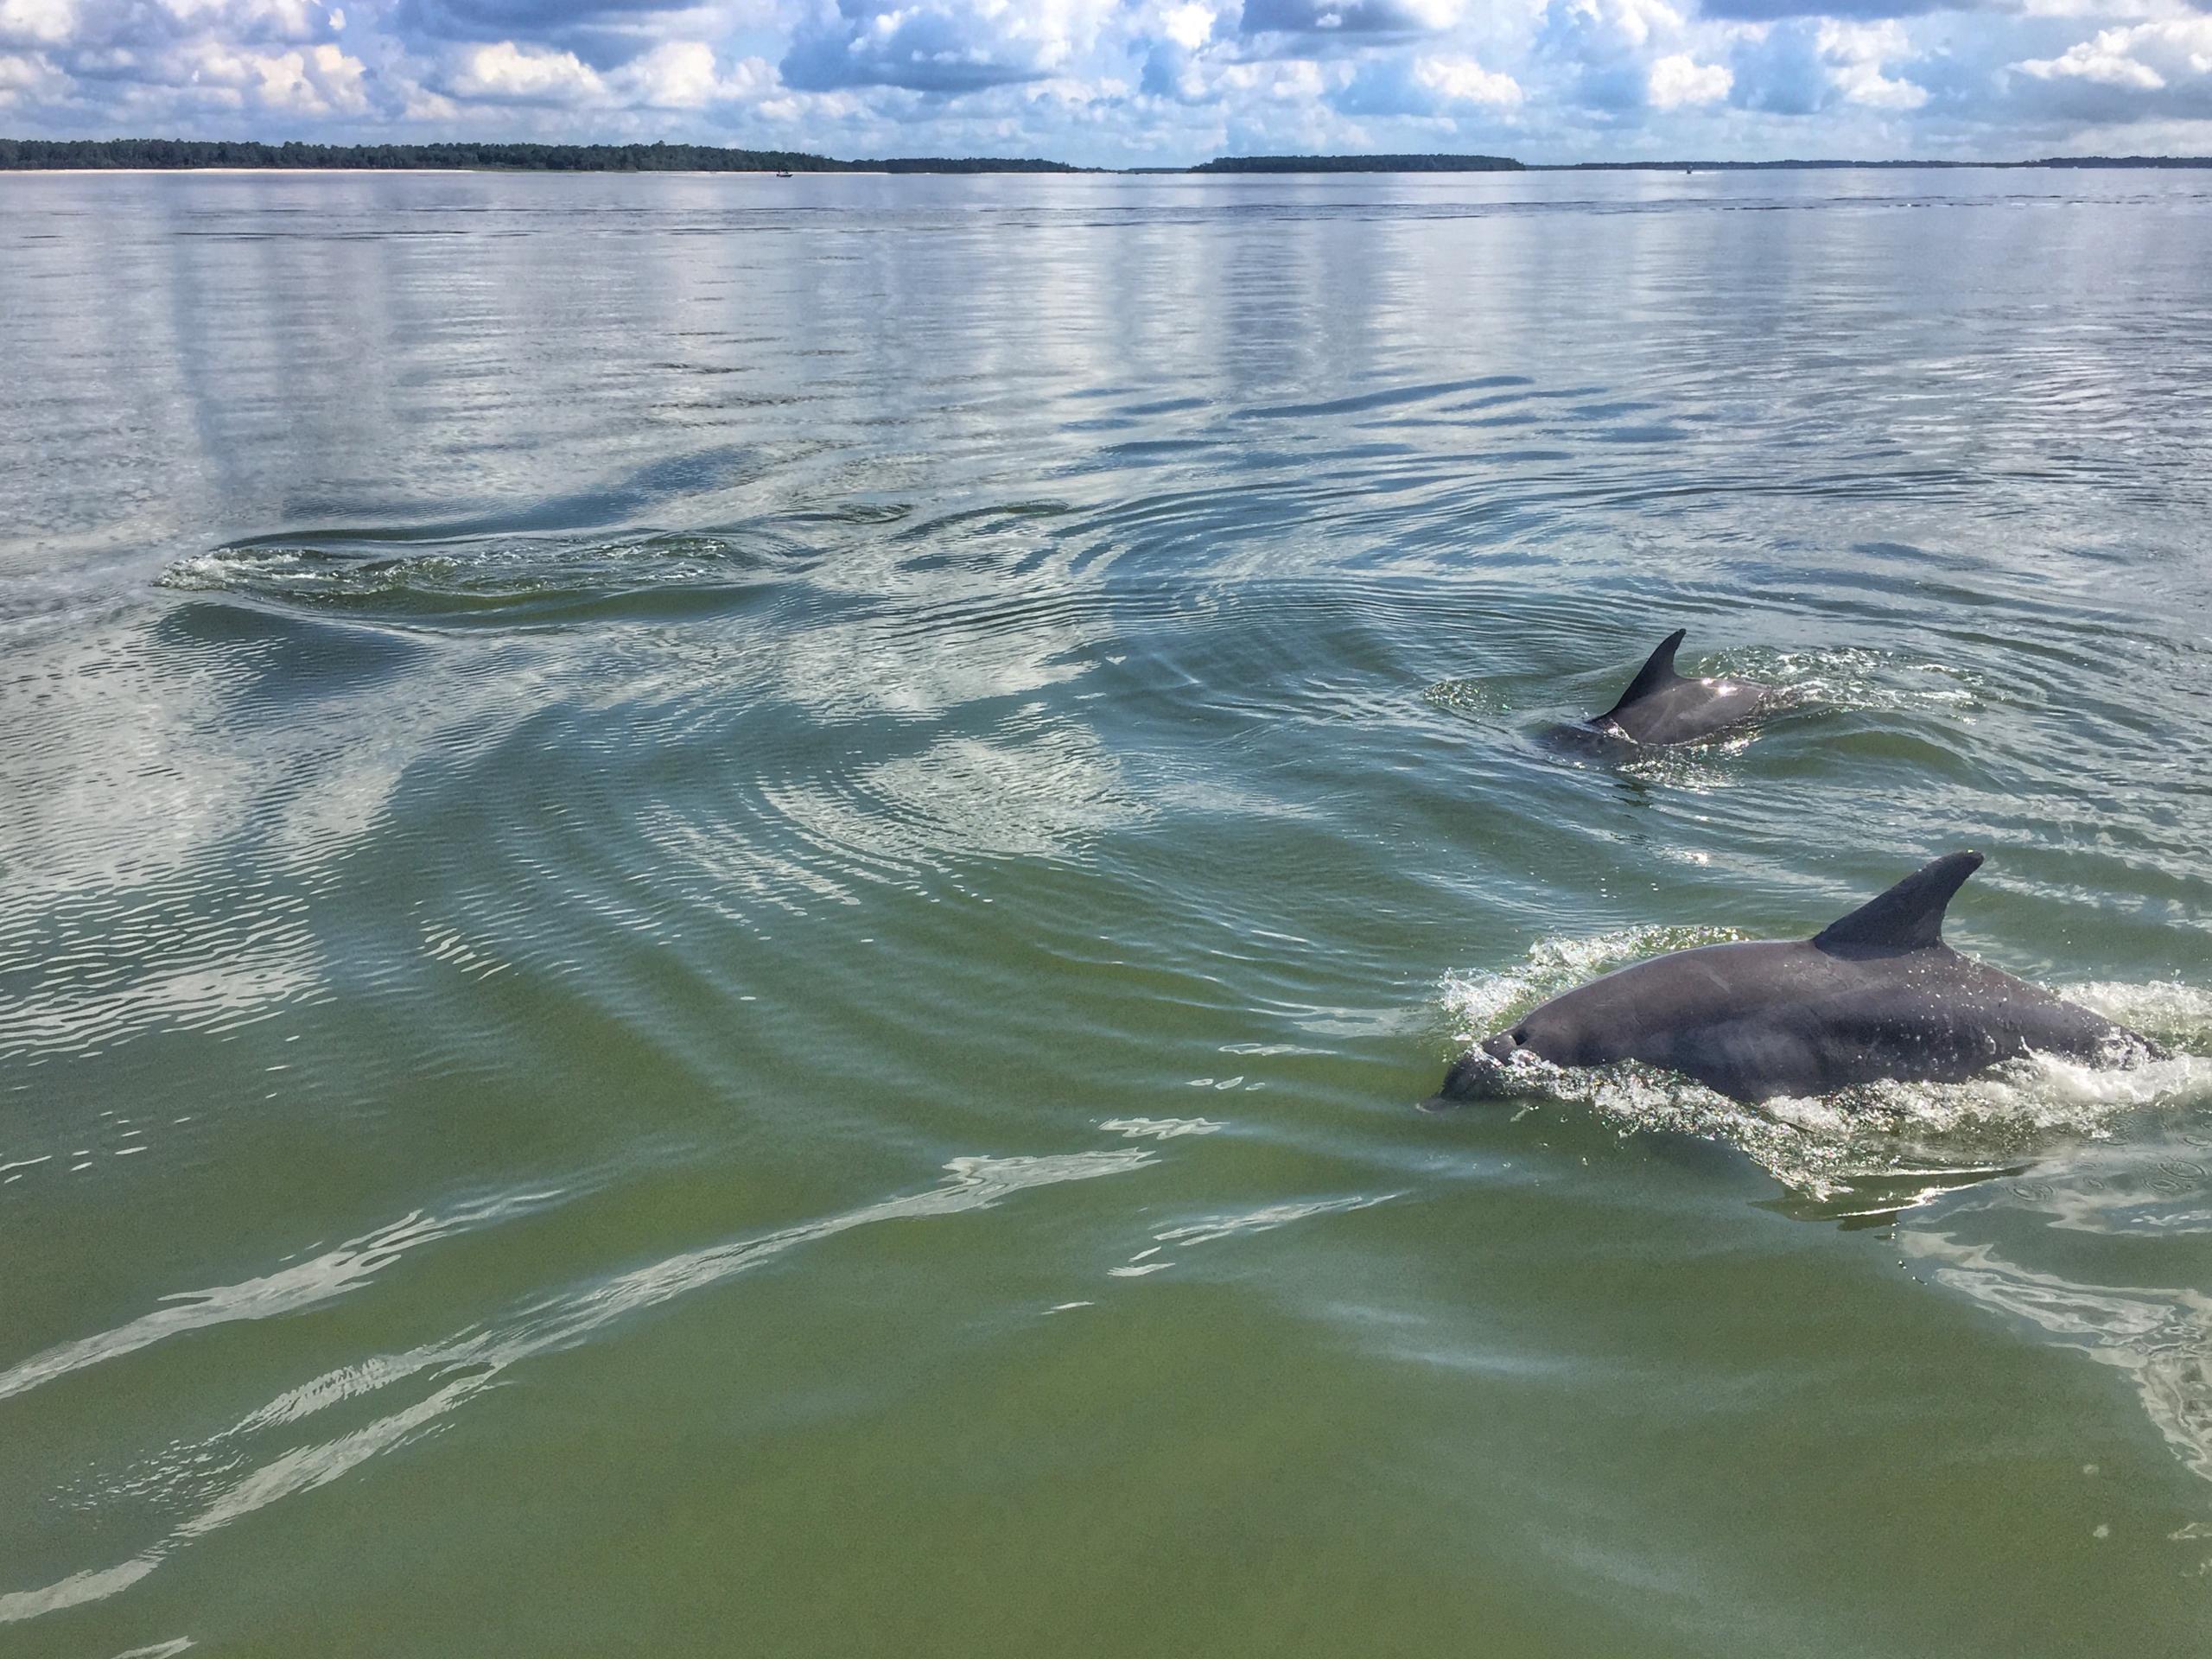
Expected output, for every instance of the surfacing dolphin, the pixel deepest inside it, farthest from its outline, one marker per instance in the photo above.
(1878, 995)
(1661, 705)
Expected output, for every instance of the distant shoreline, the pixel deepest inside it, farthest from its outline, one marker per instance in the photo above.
(140, 156)
(224, 155)
(399, 172)
(2046, 163)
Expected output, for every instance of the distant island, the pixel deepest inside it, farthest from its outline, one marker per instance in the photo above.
(1817, 166)
(40, 154)
(1507, 164)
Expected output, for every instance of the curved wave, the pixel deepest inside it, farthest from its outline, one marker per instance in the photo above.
(505, 578)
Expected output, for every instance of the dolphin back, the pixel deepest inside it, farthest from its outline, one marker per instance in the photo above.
(1662, 705)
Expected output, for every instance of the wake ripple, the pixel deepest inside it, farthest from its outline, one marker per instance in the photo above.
(465, 1365)
(493, 577)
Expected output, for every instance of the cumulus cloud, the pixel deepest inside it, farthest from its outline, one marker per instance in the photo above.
(309, 81)
(37, 22)
(1770, 10)
(27, 82)
(1857, 54)
(2148, 57)
(506, 72)
(1809, 66)
(141, 25)
(1298, 80)
(1780, 71)
(1349, 17)
(947, 48)
(1462, 80)
(528, 19)
(1679, 79)
(1188, 27)
(1132, 80)
(1604, 51)
(675, 75)
(1625, 22)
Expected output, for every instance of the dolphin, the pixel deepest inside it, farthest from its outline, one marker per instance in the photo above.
(1661, 705)
(1877, 996)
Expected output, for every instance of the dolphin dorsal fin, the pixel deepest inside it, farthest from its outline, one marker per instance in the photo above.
(1656, 675)
(1910, 916)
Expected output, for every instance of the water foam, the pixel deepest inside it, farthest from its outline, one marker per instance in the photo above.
(1852, 676)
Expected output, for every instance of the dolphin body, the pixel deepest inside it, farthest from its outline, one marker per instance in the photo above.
(1878, 995)
(1661, 705)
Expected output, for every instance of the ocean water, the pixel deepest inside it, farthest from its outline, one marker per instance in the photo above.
(723, 903)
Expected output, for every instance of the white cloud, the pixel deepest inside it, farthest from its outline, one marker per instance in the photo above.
(505, 72)
(1188, 26)
(1349, 19)
(1053, 30)
(1466, 81)
(37, 22)
(266, 20)
(24, 79)
(945, 46)
(1637, 21)
(676, 75)
(420, 104)
(2139, 10)
(1286, 80)
(309, 81)
(2147, 57)
(149, 25)
(1856, 53)
(1679, 79)
(1127, 80)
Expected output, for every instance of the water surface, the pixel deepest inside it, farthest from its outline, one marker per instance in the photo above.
(721, 903)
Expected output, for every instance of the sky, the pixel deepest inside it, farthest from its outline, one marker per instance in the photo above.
(1133, 82)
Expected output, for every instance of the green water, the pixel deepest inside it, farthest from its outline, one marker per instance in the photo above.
(722, 902)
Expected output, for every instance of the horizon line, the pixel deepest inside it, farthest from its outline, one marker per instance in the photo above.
(95, 154)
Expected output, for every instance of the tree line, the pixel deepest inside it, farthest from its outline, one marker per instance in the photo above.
(135, 153)
(112, 153)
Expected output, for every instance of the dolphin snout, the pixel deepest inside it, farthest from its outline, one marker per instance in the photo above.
(1483, 1073)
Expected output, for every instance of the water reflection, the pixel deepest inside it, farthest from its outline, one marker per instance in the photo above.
(2088, 1218)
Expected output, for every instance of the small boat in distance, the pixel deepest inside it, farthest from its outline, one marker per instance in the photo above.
(784, 173)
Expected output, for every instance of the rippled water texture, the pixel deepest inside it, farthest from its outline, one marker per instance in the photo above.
(723, 903)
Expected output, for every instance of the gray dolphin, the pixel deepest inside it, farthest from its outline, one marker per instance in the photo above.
(1661, 705)
(1876, 995)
